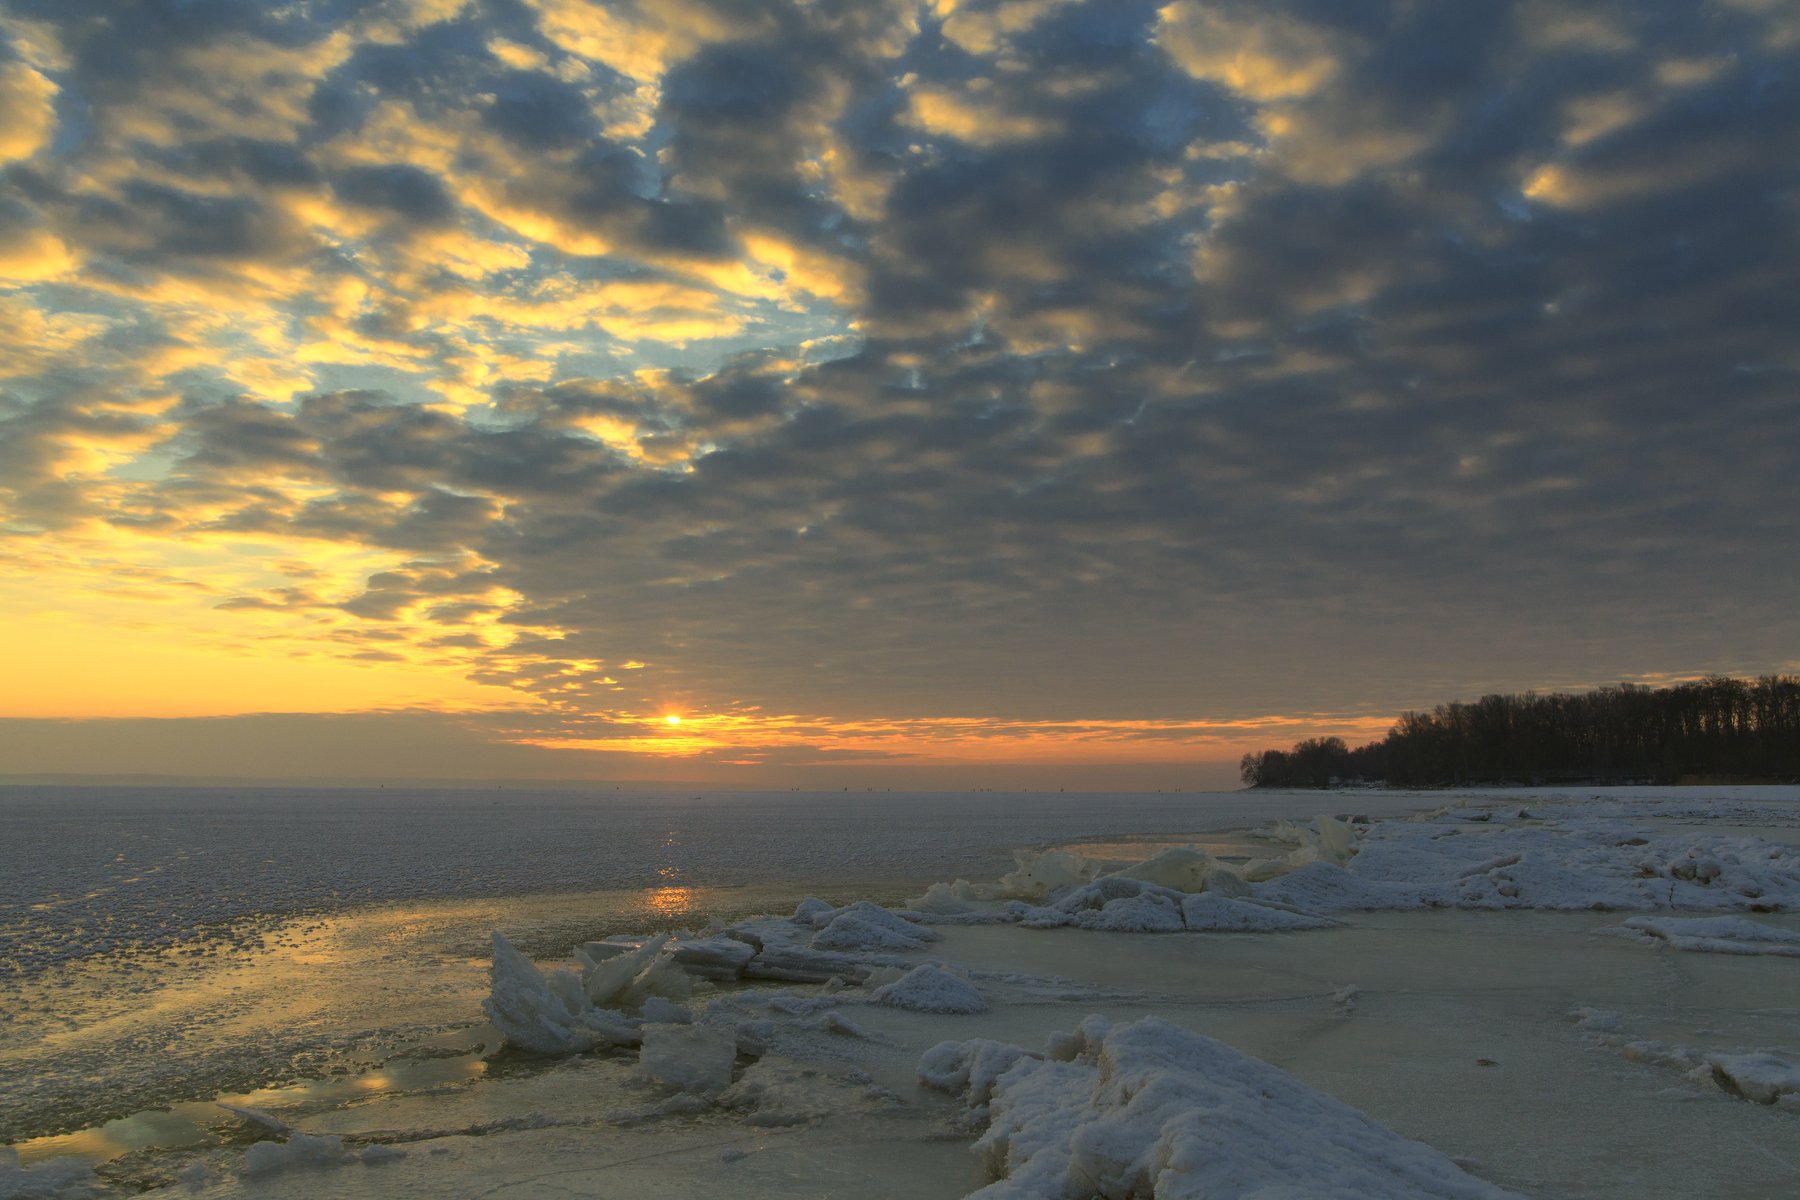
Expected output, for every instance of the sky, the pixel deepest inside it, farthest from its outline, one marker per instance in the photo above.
(850, 392)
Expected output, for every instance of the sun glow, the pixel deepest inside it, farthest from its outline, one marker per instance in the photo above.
(971, 739)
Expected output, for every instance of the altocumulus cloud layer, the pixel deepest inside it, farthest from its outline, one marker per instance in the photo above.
(859, 374)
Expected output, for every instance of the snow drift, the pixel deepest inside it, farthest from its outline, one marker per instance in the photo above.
(1150, 1110)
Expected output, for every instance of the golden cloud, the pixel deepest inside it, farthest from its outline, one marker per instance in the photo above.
(969, 116)
(640, 39)
(1257, 54)
(27, 111)
(37, 256)
(1552, 25)
(32, 339)
(983, 31)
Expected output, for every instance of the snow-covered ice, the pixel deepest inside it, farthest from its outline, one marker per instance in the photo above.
(1552, 856)
(1760, 1076)
(1556, 854)
(1146, 912)
(1209, 912)
(864, 926)
(298, 1151)
(1152, 1111)
(1403, 966)
(1765, 1076)
(54, 1179)
(931, 989)
(554, 1014)
(969, 1069)
(1714, 935)
(689, 1058)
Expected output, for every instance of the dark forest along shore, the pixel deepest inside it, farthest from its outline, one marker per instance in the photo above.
(1710, 731)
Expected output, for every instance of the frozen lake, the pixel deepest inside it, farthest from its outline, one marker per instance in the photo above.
(84, 870)
(323, 956)
(162, 943)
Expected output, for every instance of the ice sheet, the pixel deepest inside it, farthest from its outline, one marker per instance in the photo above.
(86, 871)
(1437, 1023)
(1447, 1038)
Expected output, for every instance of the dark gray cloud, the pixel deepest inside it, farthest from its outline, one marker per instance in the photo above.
(403, 190)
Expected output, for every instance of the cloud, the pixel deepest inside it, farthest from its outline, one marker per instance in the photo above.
(27, 111)
(1259, 54)
(969, 118)
(1185, 360)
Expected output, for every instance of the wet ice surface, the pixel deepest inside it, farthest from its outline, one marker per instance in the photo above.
(86, 870)
(1447, 1026)
(159, 945)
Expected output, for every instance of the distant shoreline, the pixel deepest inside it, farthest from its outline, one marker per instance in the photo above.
(1488, 785)
(1716, 731)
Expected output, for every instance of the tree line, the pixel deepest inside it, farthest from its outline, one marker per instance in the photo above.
(1716, 729)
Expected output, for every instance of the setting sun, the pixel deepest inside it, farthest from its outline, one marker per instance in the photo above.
(672, 719)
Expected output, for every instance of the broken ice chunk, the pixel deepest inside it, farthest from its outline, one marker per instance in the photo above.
(835, 1022)
(855, 932)
(1149, 1109)
(689, 1058)
(299, 1151)
(813, 911)
(658, 1011)
(255, 1116)
(713, 958)
(773, 1094)
(1225, 882)
(969, 1068)
(1148, 913)
(1212, 913)
(1336, 841)
(548, 1016)
(1037, 875)
(1715, 935)
(606, 980)
(796, 964)
(1183, 868)
(944, 899)
(661, 978)
(52, 1179)
(1762, 1077)
(528, 1014)
(931, 989)
(1108, 888)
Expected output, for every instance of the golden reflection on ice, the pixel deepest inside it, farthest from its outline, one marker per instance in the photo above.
(345, 975)
(670, 901)
(95, 1145)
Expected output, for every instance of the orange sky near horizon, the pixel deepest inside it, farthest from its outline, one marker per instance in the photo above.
(146, 643)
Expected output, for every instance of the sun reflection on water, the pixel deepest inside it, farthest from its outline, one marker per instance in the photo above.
(670, 901)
